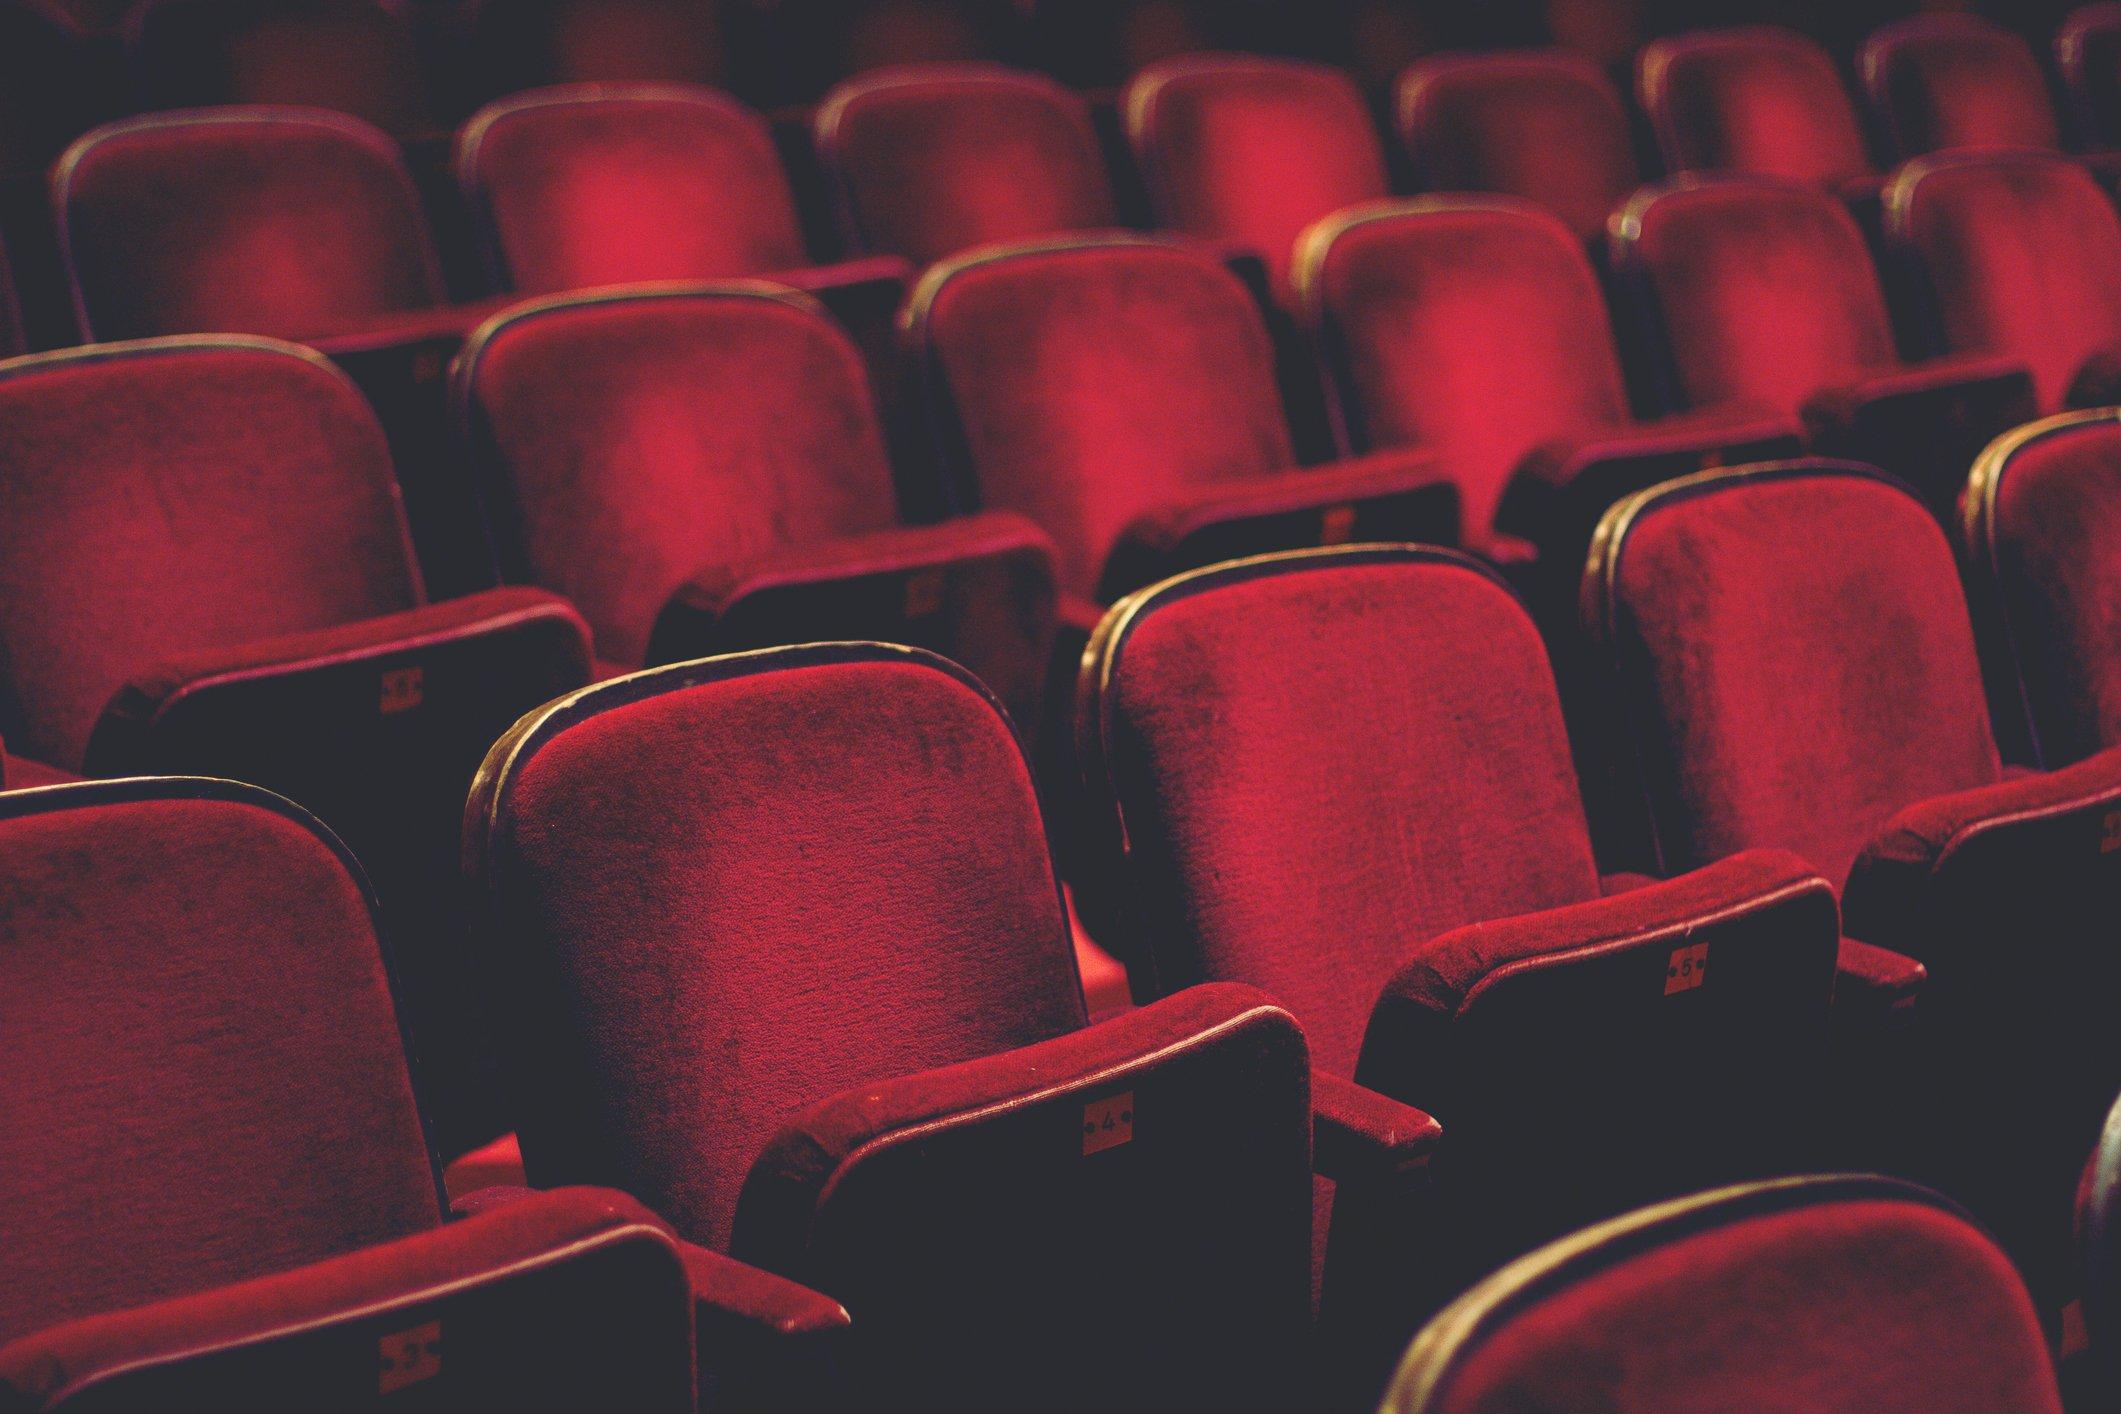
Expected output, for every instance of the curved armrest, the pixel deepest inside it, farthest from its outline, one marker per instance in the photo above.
(1358, 1134)
(1874, 980)
(866, 274)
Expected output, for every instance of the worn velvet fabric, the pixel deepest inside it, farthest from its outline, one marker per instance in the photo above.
(287, 222)
(604, 184)
(1815, 1294)
(186, 1129)
(930, 160)
(2021, 254)
(1249, 151)
(1543, 124)
(1943, 80)
(2088, 55)
(717, 904)
(1757, 99)
(163, 499)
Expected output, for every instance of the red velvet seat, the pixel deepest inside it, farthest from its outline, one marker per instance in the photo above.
(215, 1191)
(1473, 327)
(1756, 99)
(1120, 392)
(207, 573)
(1247, 151)
(1939, 81)
(2020, 254)
(930, 160)
(2088, 54)
(1803, 1294)
(2040, 537)
(1794, 667)
(351, 56)
(701, 469)
(1762, 290)
(1342, 776)
(1543, 124)
(784, 954)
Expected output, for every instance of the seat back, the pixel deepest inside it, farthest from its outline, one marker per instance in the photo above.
(293, 223)
(1085, 381)
(1767, 629)
(1542, 124)
(1754, 99)
(1249, 151)
(2088, 54)
(1762, 289)
(1829, 1293)
(2041, 537)
(611, 184)
(931, 160)
(2021, 254)
(193, 965)
(351, 56)
(1470, 325)
(631, 442)
(1941, 80)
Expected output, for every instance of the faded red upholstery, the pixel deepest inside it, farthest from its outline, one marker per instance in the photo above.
(2088, 54)
(1249, 151)
(2041, 539)
(2021, 252)
(1808, 1293)
(931, 160)
(1942, 80)
(1753, 99)
(352, 56)
(288, 222)
(1474, 327)
(762, 922)
(1543, 124)
(1095, 383)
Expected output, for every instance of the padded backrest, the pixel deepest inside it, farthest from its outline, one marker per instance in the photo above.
(293, 223)
(1793, 656)
(1250, 151)
(611, 184)
(1763, 289)
(1938, 81)
(1752, 99)
(2042, 536)
(2088, 53)
(1819, 1293)
(1543, 124)
(2022, 256)
(723, 891)
(206, 1081)
(163, 497)
(1262, 844)
(931, 160)
(529, 43)
(353, 56)
(45, 96)
(1473, 326)
(633, 441)
(1094, 379)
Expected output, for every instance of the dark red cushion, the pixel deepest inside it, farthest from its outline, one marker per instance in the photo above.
(1755, 98)
(1941, 81)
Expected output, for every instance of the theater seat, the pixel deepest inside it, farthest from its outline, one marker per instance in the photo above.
(1247, 151)
(929, 160)
(1793, 666)
(2019, 255)
(2088, 55)
(217, 1191)
(1342, 776)
(207, 573)
(1542, 124)
(1757, 99)
(2040, 537)
(862, 1061)
(1761, 289)
(1939, 81)
(1473, 327)
(701, 469)
(1810, 1294)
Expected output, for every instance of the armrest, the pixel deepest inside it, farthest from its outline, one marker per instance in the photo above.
(403, 330)
(1875, 980)
(390, 665)
(869, 272)
(1835, 408)
(1399, 494)
(1358, 1134)
(587, 1263)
